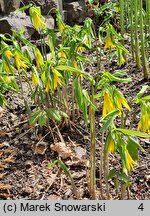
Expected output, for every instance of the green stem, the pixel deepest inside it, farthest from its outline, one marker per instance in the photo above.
(143, 52)
(92, 149)
(122, 17)
(101, 167)
(132, 30)
(148, 13)
(137, 51)
(23, 96)
(123, 189)
(106, 171)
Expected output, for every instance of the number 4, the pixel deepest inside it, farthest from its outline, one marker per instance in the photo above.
(141, 207)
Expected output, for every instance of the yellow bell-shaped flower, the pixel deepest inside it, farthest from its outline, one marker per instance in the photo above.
(19, 62)
(36, 17)
(108, 43)
(39, 58)
(144, 123)
(108, 105)
(129, 161)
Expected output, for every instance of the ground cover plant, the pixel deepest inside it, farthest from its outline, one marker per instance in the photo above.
(60, 91)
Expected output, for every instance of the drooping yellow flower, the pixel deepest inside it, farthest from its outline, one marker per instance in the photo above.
(8, 53)
(62, 54)
(75, 64)
(61, 25)
(111, 145)
(129, 162)
(120, 100)
(122, 60)
(34, 79)
(144, 123)
(7, 65)
(60, 22)
(81, 49)
(37, 22)
(39, 58)
(108, 43)
(108, 105)
(36, 17)
(48, 85)
(57, 80)
(19, 62)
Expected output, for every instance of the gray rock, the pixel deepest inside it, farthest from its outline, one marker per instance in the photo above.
(76, 12)
(17, 21)
(49, 20)
(7, 6)
(47, 6)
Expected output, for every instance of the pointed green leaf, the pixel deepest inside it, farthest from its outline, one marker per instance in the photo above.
(110, 120)
(35, 116)
(132, 133)
(42, 120)
(74, 70)
(138, 96)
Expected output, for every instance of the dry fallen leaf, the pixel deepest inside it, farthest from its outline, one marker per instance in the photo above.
(77, 162)
(39, 148)
(147, 178)
(53, 197)
(80, 152)
(62, 150)
(1, 112)
(4, 144)
(10, 159)
(28, 164)
(3, 186)
(2, 175)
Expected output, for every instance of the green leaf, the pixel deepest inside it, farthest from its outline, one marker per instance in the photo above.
(123, 177)
(78, 93)
(87, 97)
(63, 114)
(116, 79)
(133, 146)
(27, 55)
(55, 114)
(35, 116)
(146, 98)
(3, 101)
(74, 70)
(111, 117)
(62, 165)
(24, 7)
(42, 120)
(8, 64)
(112, 173)
(22, 38)
(120, 74)
(138, 96)
(14, 85)
(99, 95)
(52, 41)
(136, 143)
(90, 2)
(133, 150)
(132, 133)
